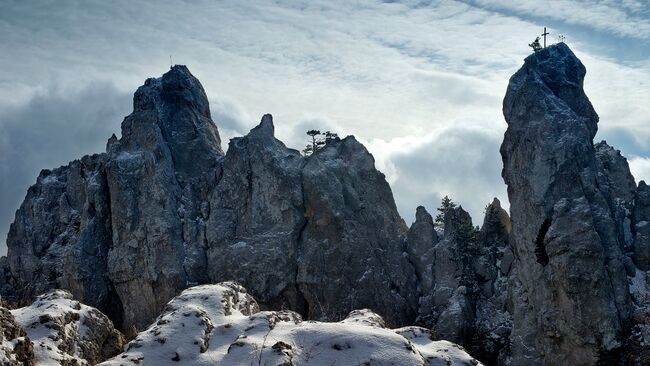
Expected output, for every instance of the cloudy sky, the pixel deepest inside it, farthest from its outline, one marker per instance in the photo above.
(419, 82)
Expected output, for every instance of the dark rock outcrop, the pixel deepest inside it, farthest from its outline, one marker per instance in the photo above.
(256, 217)
(62, 235)
(420, 245)
(159, 176)
(352, 219)
(564, 282)
(164, 209)
(463, 278)
(569, 201)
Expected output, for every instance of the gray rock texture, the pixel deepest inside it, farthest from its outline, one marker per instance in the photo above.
(641, 227)
(65, 217)
(257, 216)
(352, 252)
(421, 242)
(164, 209)
(159, 176)
(463, 279)
(564, 282)
(570, 203)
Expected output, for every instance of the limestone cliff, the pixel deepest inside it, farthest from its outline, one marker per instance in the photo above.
(570, 201)
(563, 279)
(164, 209)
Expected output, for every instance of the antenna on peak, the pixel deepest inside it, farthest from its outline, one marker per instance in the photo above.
(171, 64)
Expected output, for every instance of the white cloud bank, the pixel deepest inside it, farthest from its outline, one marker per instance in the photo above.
(640, 168)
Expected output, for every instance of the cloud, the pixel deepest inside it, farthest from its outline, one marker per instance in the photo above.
(51, 129)
(460, 161)
(624, 18)
(640, 168)
(231, 119)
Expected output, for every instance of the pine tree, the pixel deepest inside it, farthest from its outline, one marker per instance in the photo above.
(445, 205)
(319, 140)
(315, 144)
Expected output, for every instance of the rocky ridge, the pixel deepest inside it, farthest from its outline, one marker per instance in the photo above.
(165, 209)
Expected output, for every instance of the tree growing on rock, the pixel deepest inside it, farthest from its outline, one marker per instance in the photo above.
(319, 140)
(445, 205)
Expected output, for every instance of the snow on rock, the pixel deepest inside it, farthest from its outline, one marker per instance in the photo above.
(15, 346)
(65, 332)
(222, 325)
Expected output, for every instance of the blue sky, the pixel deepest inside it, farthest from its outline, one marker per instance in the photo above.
(419, 82)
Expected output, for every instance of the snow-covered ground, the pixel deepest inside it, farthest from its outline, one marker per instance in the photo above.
(222, 325)
(65, 332)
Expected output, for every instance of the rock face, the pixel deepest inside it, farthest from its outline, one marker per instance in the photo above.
(566, 281)
(571, 203)
(222, 324)
(159, 175)
(164, 209)
(65, 217)
(463, 278)
(351, 217)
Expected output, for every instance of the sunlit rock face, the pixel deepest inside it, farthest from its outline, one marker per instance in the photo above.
(571, 204)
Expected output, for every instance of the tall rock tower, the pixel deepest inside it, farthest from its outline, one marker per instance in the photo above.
(570, 203)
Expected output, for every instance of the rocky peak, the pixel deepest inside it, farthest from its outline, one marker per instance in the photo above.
(420, 246)
(496, 221)
(422, 215)
(266, 124)
(554, 71)
(457, 222)
(615, 173)
(171, 115)
(566, 227)
(177, 88)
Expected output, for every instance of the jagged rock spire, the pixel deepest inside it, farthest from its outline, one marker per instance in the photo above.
(566, 233)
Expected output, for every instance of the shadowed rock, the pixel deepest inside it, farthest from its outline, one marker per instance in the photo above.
(567, 201)
(164, 209)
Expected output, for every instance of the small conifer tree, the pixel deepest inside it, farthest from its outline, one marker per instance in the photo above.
(445, 205)
(319, 140)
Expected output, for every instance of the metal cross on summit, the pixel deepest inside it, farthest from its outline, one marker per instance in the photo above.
(544, 35)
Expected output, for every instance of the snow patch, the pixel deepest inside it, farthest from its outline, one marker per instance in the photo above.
(222, 325)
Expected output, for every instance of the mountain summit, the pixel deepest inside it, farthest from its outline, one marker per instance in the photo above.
(164, 209)
(573, 232)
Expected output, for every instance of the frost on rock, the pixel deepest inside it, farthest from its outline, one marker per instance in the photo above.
(15, 346)
(65, 332)
(221, 324)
